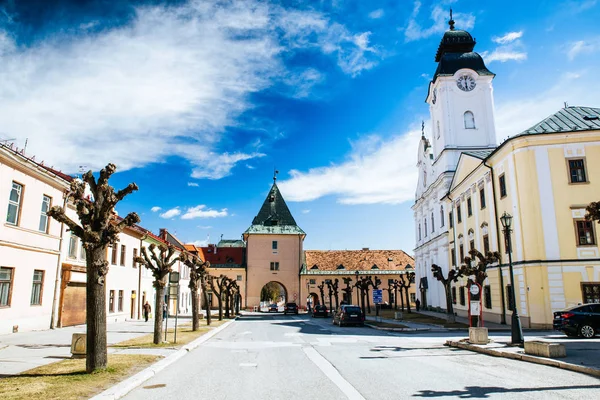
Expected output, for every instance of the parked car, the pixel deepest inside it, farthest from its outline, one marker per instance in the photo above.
(320, 311)
(291, 308)
(582, 320)
(349, 314)
(273, 307)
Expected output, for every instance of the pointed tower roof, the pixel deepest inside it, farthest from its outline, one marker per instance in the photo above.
(274, 216)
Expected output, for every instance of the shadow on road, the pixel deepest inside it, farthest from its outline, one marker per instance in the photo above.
(482, 392)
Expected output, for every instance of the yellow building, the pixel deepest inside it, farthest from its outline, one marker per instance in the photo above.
(544, 177)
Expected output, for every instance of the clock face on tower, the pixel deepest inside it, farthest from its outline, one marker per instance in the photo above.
(466, 83)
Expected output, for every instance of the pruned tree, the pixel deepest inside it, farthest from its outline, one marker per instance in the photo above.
(159, 263)
(322, 292)
(405, 284)
(398, 287)
(198, 272)
(347, 290)
(453, 276)
(363, 285)
(475, 264)
(336, 293)
(593, 211)
(233, 291)
(218, 285)
(98, 228)
(329, 284)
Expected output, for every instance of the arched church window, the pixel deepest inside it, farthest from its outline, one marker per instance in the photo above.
(469, 120)
(442, 215)
(438, 130)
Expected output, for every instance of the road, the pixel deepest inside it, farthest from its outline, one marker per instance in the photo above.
(263, 356)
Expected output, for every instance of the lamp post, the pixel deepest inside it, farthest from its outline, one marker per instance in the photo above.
(308, 297)
(516, 333)
(357, 289)
(410, 278)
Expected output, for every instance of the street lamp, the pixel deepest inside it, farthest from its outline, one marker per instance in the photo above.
(357, 289)
(516, 332)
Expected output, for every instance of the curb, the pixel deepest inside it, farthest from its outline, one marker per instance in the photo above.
(126, 386)
(527, 358)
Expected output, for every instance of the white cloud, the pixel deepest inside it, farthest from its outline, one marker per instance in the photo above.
(155, 209)
(376, 14)
(507, 38)
(440, 17)
(204, 227)
(301, 83)
(174, 77)
(305, 211)
(200, 243)
(503, 55)
(582, 47)
(202, 212)
(192, 184)
(511, 48)
(376, 171)
(173, 212)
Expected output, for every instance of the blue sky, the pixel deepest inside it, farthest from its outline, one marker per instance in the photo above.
(199, 101)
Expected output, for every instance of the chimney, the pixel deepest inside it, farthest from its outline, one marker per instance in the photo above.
(365, 249)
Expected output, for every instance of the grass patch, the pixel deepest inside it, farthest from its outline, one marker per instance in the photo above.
(421, 319)
(184, 336)
(67, 380)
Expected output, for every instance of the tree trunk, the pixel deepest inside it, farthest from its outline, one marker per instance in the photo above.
(395, 299)
(407, 301)
(206, 303)
(368, 302)
(220, 306)
(227, 304)
(195, 308)
(362, 300)
(96, 352)
(449, 307)
(158, 307)
(401, 298)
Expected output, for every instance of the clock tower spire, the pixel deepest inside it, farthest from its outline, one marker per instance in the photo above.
(460, 100)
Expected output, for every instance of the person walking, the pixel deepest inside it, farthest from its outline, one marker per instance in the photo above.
(418, 304)
(164, 310)
(147, 310)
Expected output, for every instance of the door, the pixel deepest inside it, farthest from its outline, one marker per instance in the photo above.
(133, 296)
(590, 292)
(73, 306)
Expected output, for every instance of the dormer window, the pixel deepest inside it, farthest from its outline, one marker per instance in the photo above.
(314, 267)
(341, 266)
(374, 266)
(469, 120)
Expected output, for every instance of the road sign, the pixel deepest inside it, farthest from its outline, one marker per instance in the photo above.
(377, 296)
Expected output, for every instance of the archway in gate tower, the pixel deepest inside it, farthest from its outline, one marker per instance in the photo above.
(273, 292)
(313, 299)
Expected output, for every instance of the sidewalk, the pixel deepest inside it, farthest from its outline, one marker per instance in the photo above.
(442, 315)
(410, 326)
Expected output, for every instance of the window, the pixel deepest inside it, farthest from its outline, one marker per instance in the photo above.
(453, 294)
(134, 263)
(6, 279)
(502, 183)
(469, 207)
(451, 219)
(577, 171)
(275, 266)
(472, 245)
(591, 292)
(36, 290)
(432, 223)
(46, 204)
(487, 296)
(509, 298)
(413, 297)
(111, 301)
(113, 259)
(438, 129)
(486, 244)
(123, 253)
(585, 233)
(462, 295)
(461, 251)
(458, 214)
(469, 120)
(14, 204)
(425, 224)
(274, 245)
(73, 246)
(81, 251)
(482, 198)
(238, 278)
(419, 231)
(453, 252)
(312, 281)
(120, 300)
(442, 216)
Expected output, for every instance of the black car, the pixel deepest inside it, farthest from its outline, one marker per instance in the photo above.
(290, 308)
(320, 311)
(582, 320)
(273, 307)
(349, 314)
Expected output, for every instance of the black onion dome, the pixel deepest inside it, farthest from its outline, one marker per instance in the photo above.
(455, 42)
(455, 52)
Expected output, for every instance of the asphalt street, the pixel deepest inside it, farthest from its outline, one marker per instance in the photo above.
(264, 356)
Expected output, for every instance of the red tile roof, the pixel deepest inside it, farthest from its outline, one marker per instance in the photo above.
(357, 260)
(222, 255)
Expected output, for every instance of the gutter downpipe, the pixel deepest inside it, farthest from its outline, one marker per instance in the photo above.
(503, 316)
(58, 262)
(139, 293)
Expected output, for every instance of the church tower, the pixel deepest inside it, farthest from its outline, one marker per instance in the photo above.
(460, 99)
(461, 107)
(274, 249)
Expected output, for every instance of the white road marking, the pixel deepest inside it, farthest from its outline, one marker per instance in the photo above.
(248, 365)
(332, 373)
(245, 333)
